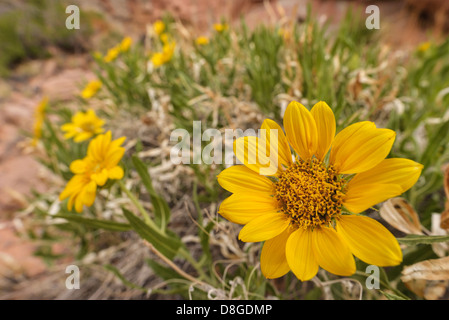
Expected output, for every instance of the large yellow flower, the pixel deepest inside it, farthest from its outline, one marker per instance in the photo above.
(301, 208)
(84, 126)
(100, 164)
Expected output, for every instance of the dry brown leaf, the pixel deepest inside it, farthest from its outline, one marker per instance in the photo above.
(433, 269)
(428, 279)
(444, 223)
(445, 169)
(429, 289)
(440, 248)
(401, 215)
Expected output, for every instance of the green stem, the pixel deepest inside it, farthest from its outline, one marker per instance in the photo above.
(186, 255)
(182, 251)
(385, 284)
(146, 216)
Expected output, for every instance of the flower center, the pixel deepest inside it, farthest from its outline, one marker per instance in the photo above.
(88, 126)
(311, 193)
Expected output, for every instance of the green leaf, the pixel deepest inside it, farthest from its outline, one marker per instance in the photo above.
(125, 281)
(437, 140)
(160, 206)
(95, 223)
(412, 239)
(168, 245)
(164, 273)
(391, 296)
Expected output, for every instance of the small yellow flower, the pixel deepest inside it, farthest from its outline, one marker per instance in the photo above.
(125, 44)
(284, 33)
(159, 27)
(160, 58)
(39, 117)
(202, 40)
(99, 165)
(423, 47)
(91, 89)
(165, 38)
(112, 54)
(220, 27)
(296, 207)
(84, 125)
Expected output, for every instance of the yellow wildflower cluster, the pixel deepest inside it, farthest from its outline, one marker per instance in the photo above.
(113, 53)
(84, 126)
(94, 170)
(39, 116)
(159, 27)
(220, 27)
(168, 45)
(202, 40)
(91, 89)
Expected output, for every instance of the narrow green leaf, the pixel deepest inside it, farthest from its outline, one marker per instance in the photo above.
(125, 281)
(391, 296)
(167, 245)
(95, 223)
(435, 141)
(164, 273)
(160, 206)
(412, 239)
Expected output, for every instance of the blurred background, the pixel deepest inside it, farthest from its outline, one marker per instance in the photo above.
(40, 57)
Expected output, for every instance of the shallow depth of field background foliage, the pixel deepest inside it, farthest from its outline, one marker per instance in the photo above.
(237, 79)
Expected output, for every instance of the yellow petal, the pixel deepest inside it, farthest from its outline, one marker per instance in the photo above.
(94, 150)
(113, 157)
(254, 156)
(100, 178)
(242, 208)
(82, 136)
(78, 166)
(241, 179)
(117, 142)
(116, 173)
(359, 199)
(264, 227)
(360, 147)
(403, 172)
(71, 202)
(369, 240)
(301, 130)
(74, 186)
(273, 262)
(326, 126)
(88, 194)
(70, 128)
(332, 253)
(78, 204)
(300, 255)
(275, 135)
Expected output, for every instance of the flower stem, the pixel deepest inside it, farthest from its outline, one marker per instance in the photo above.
(146, 216)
